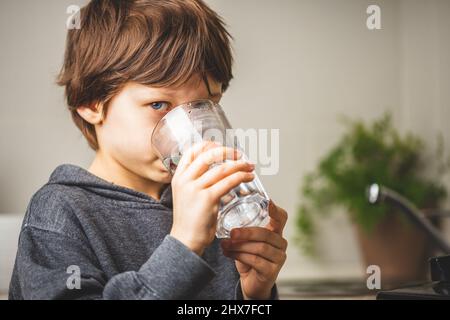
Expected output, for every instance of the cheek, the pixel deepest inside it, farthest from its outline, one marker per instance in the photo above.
(128, 136)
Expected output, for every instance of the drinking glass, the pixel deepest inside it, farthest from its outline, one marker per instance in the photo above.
(202, 120)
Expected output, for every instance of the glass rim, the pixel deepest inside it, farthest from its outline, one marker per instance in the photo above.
(212, 103)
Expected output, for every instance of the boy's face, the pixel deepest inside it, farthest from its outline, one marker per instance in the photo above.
(124, 134)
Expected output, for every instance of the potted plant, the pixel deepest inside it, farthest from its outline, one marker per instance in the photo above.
(367, 154)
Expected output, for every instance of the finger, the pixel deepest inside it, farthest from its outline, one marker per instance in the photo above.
(202, 163)
(262, 266)
(221, 171)
(242, 268)
(262, 249)
(278, 218)
(259, 234)
(193, 152)
(225, 185)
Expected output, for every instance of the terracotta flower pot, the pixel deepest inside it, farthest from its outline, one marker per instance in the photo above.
(399, 248)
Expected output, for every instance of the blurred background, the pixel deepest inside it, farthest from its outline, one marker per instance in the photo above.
(300, 65)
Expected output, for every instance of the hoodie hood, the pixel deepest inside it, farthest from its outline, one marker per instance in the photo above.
(72, 175)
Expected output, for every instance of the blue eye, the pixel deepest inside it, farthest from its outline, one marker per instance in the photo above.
(159, 105)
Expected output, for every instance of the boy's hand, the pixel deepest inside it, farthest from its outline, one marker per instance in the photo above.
(259, 253)
(197, 191)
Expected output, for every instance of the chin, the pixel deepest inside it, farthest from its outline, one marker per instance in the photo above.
(167, 178)
(162, 177)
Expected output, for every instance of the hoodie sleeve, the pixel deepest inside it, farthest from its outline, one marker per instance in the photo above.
(51, 265)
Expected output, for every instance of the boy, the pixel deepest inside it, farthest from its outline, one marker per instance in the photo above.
(114, 231)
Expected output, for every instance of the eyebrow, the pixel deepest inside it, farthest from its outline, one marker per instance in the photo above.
(215, 95)
(211, 95)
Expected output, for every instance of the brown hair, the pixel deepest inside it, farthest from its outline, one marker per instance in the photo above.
(151, 42)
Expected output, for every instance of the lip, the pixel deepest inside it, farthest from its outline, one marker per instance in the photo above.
(162, 167)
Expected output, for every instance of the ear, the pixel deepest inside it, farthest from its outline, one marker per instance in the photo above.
(92, 114)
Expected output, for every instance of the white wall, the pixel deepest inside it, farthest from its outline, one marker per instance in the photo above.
(299, 64)
(36, 131)
(425, 72)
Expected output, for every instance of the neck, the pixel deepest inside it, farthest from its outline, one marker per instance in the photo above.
(105, 167)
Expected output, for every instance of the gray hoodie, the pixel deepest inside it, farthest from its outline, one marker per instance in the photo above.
(85, 238)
